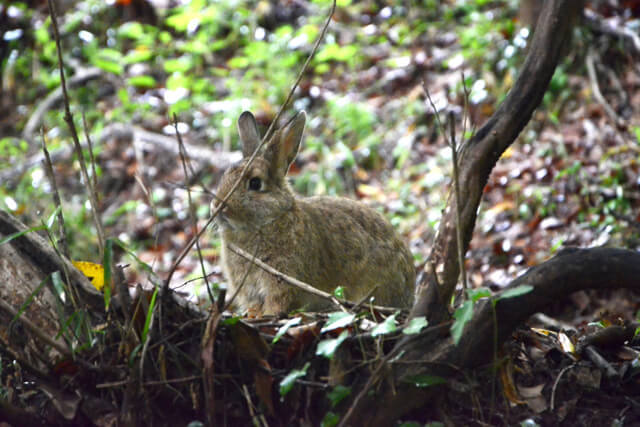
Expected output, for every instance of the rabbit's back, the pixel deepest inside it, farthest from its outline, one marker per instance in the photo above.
(354, 246)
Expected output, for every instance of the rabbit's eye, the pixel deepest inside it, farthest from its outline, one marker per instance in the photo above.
(255, 184)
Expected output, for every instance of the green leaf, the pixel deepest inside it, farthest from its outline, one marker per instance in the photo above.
(52, 218)
(423, 380)
(147, 321)
(463, 314)
(415, 325)
(338, 319)
(348, 161)
(108, 60)
(284, 328)
(328, 347)
(177, 81)
(181, 64)
(17, 234)
(42, 34)
(335, 52)
(180, 106)
(132, 30)
(107, 262)
(338, 394)
(231, 321)
(339, 292)
(330, 419)
(515, 292)
(476, 294)
(238, 62)
(58, 285)
(636, 131)
(137, 56)
(287, 382)
(142, 81)
(386, 327)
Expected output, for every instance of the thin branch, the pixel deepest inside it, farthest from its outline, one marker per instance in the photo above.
(599, 23)
(365, 390)
(68, 118)
(94, 175)
(456, 186)
(595, 88)
(229, 303)
(288, 279)
(192, 211)
(35, 329)
(555, 385)
(48, 167)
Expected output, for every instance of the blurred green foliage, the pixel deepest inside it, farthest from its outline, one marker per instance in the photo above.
(208, 61)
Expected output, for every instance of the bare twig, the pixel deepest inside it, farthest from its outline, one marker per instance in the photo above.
(465, 111)
(257, 421)
(435, 110)
(229, 303)
(36, 330)
(555, 385)
(94, 182)
(452, 143)
(48, 167)
(370, 382)
(207, 348)
(266, 137)
(192, 212)
(456, 186)
(597, 94)
(599, 23)
(288, 279)
(68, 118)
(600, 362)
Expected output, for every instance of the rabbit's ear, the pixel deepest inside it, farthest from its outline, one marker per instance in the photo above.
(284, 151)
(248, 130)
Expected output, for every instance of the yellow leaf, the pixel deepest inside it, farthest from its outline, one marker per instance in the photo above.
(544, 332)
(565, 343)
(501, 207)
(94, 272)
(371, 192)
(507, 153)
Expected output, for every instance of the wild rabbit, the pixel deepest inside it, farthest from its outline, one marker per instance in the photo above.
(324, 241)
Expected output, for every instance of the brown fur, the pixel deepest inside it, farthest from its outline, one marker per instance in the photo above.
(324, 241)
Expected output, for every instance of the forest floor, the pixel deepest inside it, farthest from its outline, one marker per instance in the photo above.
(572, 178)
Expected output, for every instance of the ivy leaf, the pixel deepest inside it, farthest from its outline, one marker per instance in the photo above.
(338, 319)
(328, 347)
(330, 419)
(515, 292)
(463, 314)
(338, 394)
(476, 294)
(287, 382)
(415, 325)
(386, 327)
(284, 328)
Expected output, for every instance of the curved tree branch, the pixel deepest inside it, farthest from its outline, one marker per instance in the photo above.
(570, 271)
(481, 153)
